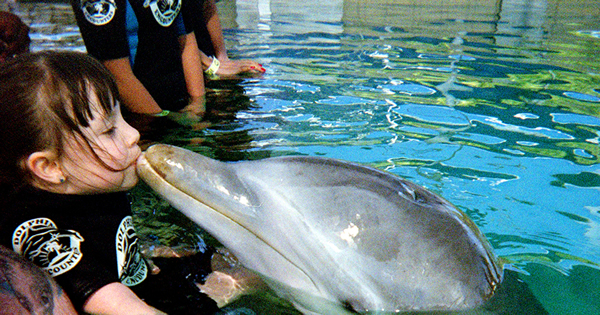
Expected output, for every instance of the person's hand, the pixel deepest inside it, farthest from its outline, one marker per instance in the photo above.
(229, 280)
(150, 251)
(190, 115)
(196, 107)
(230, 67)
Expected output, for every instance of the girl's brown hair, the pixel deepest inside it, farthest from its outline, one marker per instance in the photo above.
(43, 97)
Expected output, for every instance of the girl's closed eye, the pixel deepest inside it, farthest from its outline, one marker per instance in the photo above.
(110, 131)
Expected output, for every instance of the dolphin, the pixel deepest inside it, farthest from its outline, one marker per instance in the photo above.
(332, 237)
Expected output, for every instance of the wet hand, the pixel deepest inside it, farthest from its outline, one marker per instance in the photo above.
(230, 67)
(196, 107)
(192, 113)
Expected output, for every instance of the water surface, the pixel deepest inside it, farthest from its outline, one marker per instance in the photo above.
(494, 105)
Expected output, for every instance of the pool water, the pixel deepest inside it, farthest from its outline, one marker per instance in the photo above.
(494, 105)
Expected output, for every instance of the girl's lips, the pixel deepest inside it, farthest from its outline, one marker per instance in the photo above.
(137, 157)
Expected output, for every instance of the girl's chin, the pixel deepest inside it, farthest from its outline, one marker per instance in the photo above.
(130, 182)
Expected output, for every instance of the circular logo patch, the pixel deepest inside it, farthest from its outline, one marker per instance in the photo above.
(98, 12)
(40, 241)
(130, 263)
(164, 11)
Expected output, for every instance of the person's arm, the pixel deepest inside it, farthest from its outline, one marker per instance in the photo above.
(108, 41)
(116, 298)
(213, 24)
(192, 70)
(227, 66)
(134, 95)
(192, 65)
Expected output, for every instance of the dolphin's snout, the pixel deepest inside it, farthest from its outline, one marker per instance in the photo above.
(155, 156)
(143, 164)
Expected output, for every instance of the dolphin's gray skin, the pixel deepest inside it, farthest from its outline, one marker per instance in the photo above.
(331, 236)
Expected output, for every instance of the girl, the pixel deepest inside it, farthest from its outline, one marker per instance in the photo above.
(67, 158)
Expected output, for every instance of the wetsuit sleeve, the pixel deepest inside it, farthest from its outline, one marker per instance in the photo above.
(191, 11)
(85, 279)
(103, 27)
(181, 27)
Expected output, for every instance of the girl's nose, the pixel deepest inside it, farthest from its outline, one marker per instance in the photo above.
(133, 136)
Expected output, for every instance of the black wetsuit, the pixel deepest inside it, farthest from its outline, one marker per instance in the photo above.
(145, 31)
(88, 241)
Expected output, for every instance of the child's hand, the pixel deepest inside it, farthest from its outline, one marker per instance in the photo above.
(152, 251)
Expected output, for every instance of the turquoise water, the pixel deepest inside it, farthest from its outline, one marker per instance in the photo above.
(494, 105)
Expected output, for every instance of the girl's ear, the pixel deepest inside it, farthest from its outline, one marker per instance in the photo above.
(46, 166)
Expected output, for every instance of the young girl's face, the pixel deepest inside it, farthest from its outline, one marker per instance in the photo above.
(115, 142)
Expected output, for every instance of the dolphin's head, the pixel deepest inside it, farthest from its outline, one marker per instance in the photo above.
(225, 204)
(329, 234)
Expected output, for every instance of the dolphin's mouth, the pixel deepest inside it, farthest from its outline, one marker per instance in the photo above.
(142, 161)
(156, 179)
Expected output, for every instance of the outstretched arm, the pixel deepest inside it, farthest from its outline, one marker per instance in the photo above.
(213, 24)
(228, 66)
(134, 95)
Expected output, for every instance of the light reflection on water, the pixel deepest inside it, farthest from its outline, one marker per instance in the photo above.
(491, 104)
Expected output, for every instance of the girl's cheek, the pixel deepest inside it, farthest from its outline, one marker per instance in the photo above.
(111, 152)
(108, 160)
(115, 163)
